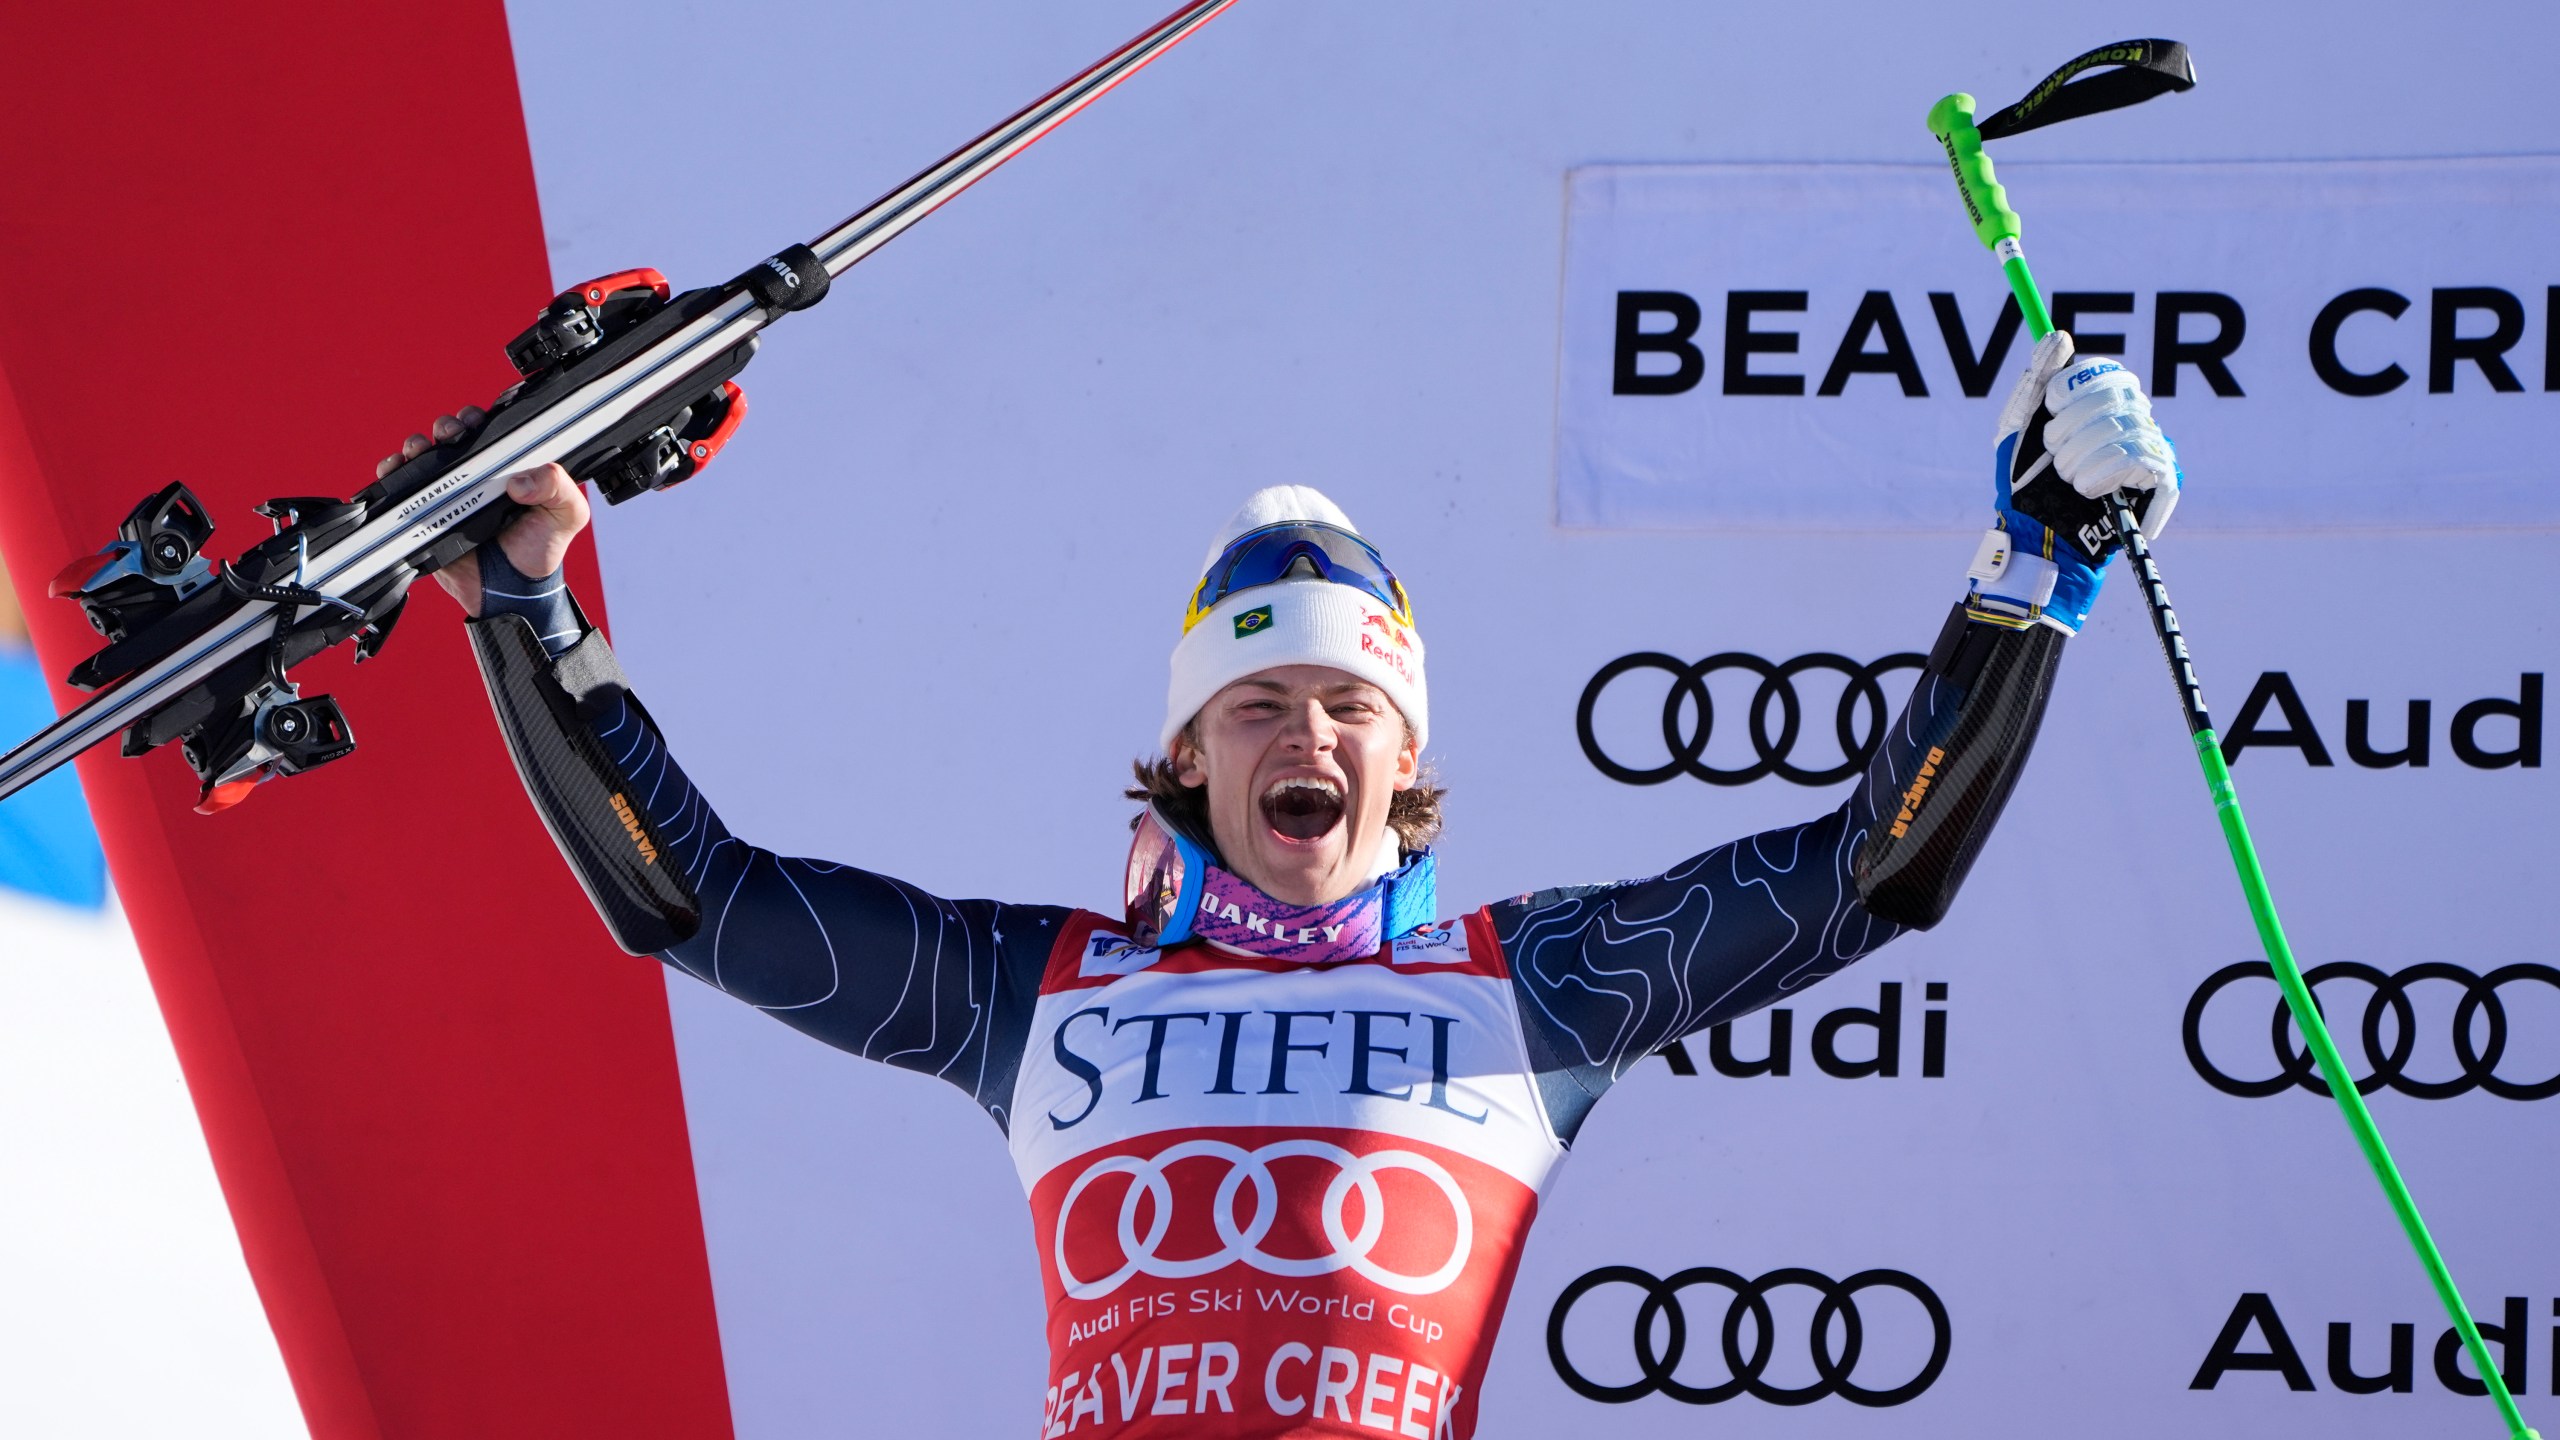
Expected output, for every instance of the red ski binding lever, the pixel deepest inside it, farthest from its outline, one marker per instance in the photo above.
(218, 798)
(580, 318)
(732, 413)
(676, 451)
(596, 292)
(154, 562)
(73, 578)
(270, 733)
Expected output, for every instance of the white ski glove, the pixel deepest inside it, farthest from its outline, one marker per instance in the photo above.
(2070, 436)
(2102, 435)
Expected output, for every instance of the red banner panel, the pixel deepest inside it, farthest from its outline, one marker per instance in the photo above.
(252, 251)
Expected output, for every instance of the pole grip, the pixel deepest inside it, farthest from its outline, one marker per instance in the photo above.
(1951, 120)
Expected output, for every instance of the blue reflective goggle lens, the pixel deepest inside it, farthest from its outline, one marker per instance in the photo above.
(1269, 555)
(1165, 875)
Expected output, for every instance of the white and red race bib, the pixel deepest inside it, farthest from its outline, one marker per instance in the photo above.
(1276, 1200)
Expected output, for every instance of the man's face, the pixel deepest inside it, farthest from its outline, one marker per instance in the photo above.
(1300, 763)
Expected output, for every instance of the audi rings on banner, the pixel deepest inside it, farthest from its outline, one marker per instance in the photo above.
(1151, 1191)
(2386, 1056)
(1689, 716)
(1662, 1299)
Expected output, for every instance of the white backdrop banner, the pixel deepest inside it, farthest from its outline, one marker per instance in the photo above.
(1321, 244)
(2356, 344)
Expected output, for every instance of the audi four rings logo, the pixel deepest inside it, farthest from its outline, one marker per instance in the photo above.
(1149, 1191)
(1689, 717)
(2389, 1032)
(1749, 1306)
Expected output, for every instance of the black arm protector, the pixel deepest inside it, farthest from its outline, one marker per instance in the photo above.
(1926, 839)
(547, 711)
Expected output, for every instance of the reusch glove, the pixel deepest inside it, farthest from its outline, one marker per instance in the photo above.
(2070, 436)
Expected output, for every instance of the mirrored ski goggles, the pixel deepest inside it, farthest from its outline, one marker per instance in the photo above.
(1275, 552)
(1162, 890)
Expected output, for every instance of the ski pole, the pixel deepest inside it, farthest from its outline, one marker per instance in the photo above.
(2127, 73)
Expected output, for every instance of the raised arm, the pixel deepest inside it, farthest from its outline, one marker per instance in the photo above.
(860, 961)
(1608, 974)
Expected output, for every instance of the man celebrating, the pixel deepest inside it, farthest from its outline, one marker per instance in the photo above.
(1283, 1129)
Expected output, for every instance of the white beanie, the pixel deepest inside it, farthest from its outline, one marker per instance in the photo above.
(1309, 621)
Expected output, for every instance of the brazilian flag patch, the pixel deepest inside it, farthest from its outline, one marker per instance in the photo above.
(1252, 621)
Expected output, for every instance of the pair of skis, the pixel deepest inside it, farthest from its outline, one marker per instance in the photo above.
(625, 383)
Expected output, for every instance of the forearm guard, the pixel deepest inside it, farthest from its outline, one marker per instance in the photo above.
(1959, 765)
(550, 712)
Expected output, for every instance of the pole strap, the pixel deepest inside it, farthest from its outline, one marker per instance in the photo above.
(2127, 72)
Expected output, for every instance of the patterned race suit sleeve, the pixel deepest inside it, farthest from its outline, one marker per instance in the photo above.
(863, 962)
(1608, 974)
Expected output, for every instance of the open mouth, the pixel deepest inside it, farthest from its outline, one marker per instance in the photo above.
(1302, 808)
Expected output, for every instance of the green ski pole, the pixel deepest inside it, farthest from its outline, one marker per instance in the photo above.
(2107, 78)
